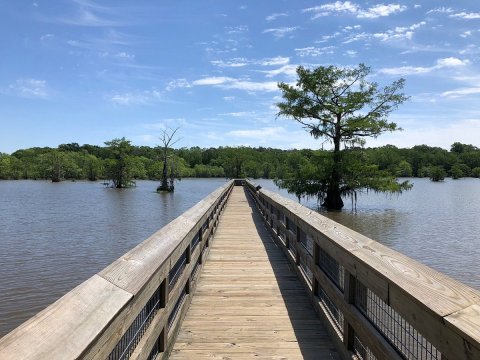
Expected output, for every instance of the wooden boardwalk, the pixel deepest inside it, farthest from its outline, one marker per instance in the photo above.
(248, 302)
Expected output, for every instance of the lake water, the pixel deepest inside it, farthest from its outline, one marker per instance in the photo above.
(55, 236)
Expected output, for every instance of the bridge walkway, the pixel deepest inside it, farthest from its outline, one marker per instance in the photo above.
(249, 302)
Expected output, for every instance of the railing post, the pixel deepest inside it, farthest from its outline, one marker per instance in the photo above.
(297, 242)
(316, 262)
(188, 254)
(349, 296)
(287, 227)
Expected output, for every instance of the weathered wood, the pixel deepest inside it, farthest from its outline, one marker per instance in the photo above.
(67, 327)
(246, 289)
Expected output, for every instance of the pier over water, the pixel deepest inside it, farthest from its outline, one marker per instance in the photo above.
(246, 273)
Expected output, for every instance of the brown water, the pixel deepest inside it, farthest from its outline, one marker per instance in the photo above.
(55, 236)
(437, 224)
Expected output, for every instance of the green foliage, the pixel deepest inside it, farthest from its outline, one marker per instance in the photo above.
(120, 167)
(437, 173)
(404, 169)
(424, 172)
(207, 171)
(340, 104)
(343, 107)
(456, 172)
(476, 172)
(308, 177)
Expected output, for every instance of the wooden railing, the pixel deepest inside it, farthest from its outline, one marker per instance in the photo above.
(379, 303)
(132, 309)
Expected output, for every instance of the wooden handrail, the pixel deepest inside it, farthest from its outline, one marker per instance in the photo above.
(378, 302)
(131, 309)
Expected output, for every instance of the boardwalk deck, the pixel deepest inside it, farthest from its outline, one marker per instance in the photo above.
(248, 302)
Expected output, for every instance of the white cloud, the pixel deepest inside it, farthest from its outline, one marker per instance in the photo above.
(314, 51)
(357, 37)
(239, 114)
(229, 98)
(252, 86)
(128, 99)
(461, 92)
(399, 33)
(350, 28)
(381, 10)
(278, 60)
(450, 62)
(30, 88)
(236, 62)
(136, 98)
(289, 70)
(46, 37)
(238, 84)
(466, 16)
(241, 62)
(236, 29)
(124, 55)
(325, 38)
(351, 8)
(275, 16)
(178, 83)
(351, 53)
(466, 34)
(213, 80)
(280, 32)
(405, 70)
(327, 9)
(441, 10)
(399, 29)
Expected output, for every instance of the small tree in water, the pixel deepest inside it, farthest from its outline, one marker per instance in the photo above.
(167, 182)
(340, 105)
(118, 166)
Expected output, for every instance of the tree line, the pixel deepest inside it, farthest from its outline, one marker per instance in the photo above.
(91, 162)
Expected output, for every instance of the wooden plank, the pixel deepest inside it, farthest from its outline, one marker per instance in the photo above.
(67, 327)
(248, 301)
(424, 297)
(466, 322)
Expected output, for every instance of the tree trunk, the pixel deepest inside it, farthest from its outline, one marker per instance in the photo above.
(333, 200)
(164, 184)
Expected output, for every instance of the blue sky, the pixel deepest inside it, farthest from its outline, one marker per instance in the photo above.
(88, 71)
